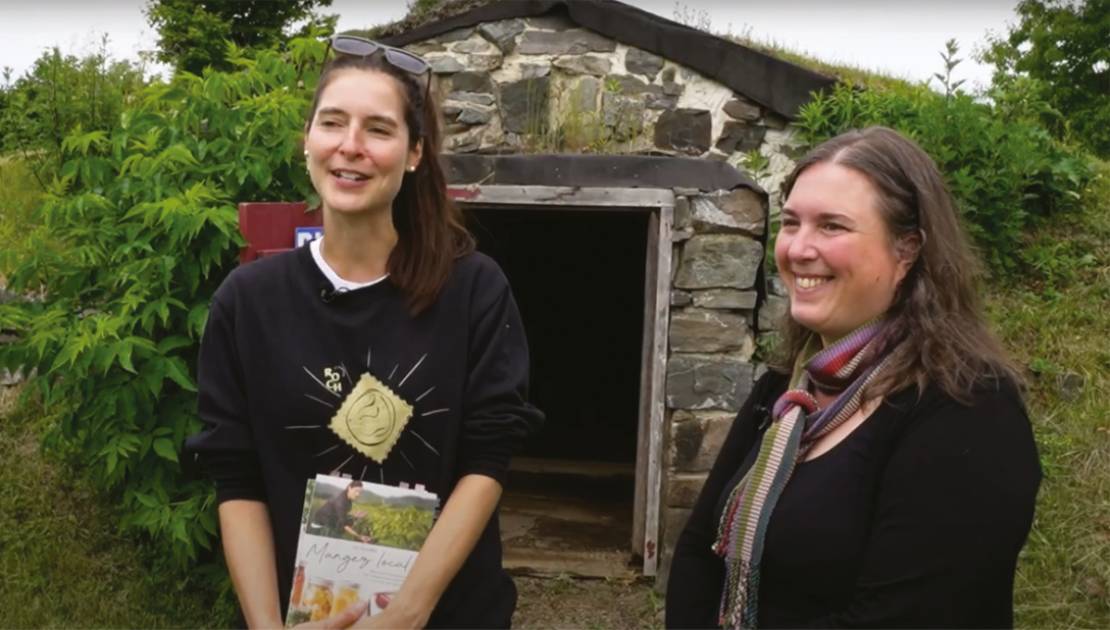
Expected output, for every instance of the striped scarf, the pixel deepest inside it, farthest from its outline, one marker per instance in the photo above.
(844, 368)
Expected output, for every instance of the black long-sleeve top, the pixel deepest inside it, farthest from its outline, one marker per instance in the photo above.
(914, 520)
(279, 360)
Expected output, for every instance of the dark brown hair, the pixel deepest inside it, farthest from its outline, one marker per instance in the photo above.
(430, 228)
(936, 317)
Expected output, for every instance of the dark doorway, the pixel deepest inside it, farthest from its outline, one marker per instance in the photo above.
(578, 278)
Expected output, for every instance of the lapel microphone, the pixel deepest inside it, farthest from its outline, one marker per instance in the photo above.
(328, 292)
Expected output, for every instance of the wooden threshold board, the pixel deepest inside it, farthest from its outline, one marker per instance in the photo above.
(555, 563)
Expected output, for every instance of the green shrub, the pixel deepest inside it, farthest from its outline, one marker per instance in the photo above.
(1006, 172)
(59, 93)
(1059, 47)
(137, 229)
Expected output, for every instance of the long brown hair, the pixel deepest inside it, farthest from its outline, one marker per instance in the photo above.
(936, 318)
(431, 234)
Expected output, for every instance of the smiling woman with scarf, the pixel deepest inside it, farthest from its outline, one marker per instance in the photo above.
(883, 473)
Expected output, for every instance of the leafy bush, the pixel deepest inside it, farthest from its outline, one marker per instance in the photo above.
(1005, 170)
(59, 93)
(1059, 47)
(137, 229)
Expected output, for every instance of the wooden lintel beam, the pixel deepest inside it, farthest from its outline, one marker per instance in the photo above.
(571, 196)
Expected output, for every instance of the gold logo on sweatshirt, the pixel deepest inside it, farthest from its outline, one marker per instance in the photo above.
(371, 418)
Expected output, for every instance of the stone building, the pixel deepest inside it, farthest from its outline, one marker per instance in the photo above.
(605, 156)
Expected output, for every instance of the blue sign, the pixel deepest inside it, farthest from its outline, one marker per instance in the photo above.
(306, 235)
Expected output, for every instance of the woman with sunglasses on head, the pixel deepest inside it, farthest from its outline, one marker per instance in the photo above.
(388, 351)
(883, 473)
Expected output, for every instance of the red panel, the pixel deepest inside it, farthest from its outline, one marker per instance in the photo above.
(463, 192)
(269, 227)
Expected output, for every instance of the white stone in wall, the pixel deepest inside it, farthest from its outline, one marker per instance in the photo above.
(783, 138)
(778, 170)
(618, 56)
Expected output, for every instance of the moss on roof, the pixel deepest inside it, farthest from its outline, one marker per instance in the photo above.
(423, 12)
(860, 77)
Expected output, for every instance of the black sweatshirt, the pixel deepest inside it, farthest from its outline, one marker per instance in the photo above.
(914, 520)
(279, 360)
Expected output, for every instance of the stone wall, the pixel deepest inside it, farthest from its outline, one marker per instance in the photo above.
(718, 250)
(543, 85)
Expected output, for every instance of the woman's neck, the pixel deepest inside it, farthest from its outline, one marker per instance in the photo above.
(358, 246)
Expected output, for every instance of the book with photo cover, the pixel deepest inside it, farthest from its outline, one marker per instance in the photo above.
(358, 541)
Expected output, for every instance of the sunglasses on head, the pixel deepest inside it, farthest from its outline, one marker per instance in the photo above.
(398, 58)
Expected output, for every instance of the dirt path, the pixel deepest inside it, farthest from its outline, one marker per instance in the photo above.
(550, 603)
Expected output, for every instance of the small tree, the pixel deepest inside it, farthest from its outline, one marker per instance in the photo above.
(192, 32)
(60, 93)
(1059, 51)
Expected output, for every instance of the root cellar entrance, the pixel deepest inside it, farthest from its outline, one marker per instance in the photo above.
(578, 277)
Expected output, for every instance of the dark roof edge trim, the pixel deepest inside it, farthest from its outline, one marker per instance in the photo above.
(595, 171)
(778, 85)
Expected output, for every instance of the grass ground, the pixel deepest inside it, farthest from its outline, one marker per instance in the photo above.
(20, 194)
(1057, 323)
(546, 603)
(62, 565)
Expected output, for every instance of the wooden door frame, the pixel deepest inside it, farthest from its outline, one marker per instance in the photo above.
(659, 202)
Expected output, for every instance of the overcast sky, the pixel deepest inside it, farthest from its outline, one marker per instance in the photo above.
(899, 37)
